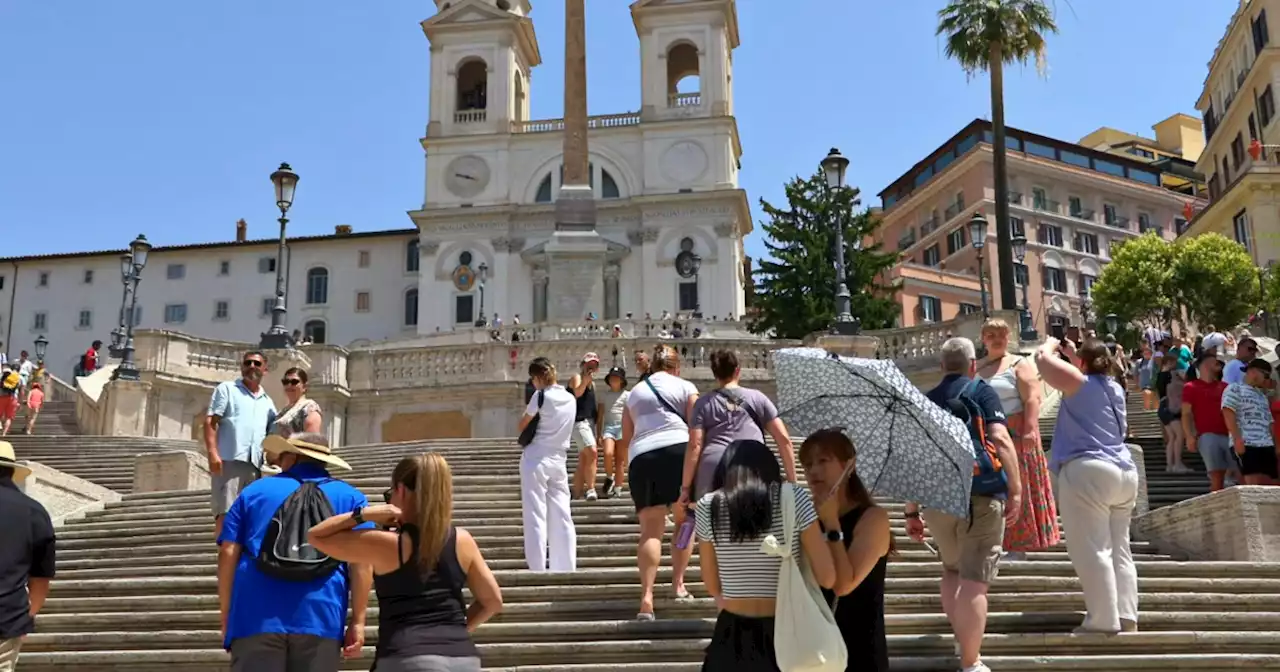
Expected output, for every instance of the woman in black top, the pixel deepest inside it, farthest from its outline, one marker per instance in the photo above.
(419, 570)
(858, 601)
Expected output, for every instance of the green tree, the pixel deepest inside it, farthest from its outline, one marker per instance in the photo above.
(795, 283)
(1138, 284)
(1216, 280)
(986, 35)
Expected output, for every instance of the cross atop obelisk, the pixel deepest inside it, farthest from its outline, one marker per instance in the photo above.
(576, 252)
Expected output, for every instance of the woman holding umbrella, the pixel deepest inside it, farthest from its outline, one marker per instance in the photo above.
(1015, 380)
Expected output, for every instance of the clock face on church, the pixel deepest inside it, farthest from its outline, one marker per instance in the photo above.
(466, 176)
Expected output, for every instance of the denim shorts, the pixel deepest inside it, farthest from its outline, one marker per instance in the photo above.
(1217, 452)
(612, 432)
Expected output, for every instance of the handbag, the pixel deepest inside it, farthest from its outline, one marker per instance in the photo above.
(805, 635)
(531, 429)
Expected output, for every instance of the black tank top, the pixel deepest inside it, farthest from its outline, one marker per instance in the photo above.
(587, 409)
(424, 615)
(860, 614)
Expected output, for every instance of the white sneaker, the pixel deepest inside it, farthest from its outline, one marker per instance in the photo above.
(591, 495)
(977, 667)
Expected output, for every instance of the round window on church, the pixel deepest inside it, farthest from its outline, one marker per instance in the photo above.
(464, 259)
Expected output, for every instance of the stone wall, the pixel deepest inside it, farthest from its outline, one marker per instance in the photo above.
(1237, 524)
(64, 496)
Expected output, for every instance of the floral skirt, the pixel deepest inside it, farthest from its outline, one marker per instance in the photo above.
(1037, 526)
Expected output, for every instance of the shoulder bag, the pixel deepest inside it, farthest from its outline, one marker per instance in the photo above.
(531, 429)
(665, 404)
(738, 401)
(805, 635)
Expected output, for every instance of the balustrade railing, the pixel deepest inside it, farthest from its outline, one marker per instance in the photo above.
(470, 116)
(684, 100)
(556, 125)
(924, 342)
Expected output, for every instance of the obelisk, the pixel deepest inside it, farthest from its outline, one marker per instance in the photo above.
(576, 252)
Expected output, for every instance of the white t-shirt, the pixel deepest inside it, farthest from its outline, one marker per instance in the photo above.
(558, 408)
(655, 426)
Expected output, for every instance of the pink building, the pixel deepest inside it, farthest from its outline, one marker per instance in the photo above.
(1072, 203)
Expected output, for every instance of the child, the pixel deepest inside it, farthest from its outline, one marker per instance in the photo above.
(35, 399)
(614, 403)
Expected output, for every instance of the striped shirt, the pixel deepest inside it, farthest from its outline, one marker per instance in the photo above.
(745, 570)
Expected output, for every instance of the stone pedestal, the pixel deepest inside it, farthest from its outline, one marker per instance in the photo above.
(845, 346)
(64, 496)
(127, 407)
(575, 259)
(169, 471)
(1240, 524)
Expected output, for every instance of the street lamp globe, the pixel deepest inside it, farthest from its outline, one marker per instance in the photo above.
(126, 267)
(1019, 247)
(483, 269)
(285, 181)
(42, 346)
(834, 167)
(1113, 323)
(978, 231)
(139, 249)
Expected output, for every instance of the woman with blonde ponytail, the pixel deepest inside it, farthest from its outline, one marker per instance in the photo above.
(421, 563)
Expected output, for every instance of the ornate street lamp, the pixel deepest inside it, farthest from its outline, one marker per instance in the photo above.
(978, 238)
(278, 337)
(482, 274)
(138, 251)
(834, 167)
(42, 346)
(1113, 323)
(1027, 332)
(116, 348)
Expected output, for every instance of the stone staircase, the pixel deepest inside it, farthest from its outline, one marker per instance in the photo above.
(104, 460)
(136, 591)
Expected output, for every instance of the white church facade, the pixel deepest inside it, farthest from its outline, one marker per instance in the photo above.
(665, 177)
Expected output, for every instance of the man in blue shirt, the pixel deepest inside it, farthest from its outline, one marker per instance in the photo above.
(970, 548)
(277, 625)
(240, 415)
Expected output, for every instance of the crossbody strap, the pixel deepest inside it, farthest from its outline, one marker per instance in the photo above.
(663, 400)
(741, 403)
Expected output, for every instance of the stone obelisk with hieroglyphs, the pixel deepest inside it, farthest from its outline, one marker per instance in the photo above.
(576, 252)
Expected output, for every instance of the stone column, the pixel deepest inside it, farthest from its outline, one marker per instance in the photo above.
(575, 94)
(611, 294)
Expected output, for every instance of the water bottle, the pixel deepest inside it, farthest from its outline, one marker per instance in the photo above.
(685, 534)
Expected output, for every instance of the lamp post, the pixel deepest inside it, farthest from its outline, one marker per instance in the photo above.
(482, 273)
(1113, 323)
(278, 337)
(1027, 332)
(42, 346)
(978, 238)
(138, 251)
(834, 166)
(116, 348)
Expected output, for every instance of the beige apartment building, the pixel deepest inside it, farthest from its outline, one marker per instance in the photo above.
(1239, 107)
(1071, 202)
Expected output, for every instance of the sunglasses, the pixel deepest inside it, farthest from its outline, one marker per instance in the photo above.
(291, 382)
(386, 495)
(252, 363)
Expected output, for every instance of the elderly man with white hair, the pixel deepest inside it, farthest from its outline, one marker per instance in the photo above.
(971, 548)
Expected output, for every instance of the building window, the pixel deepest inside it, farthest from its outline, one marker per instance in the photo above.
(175, 271)
(1039, 198)
(1261, 35)
(544, 190)
(175, 313)
(267, 265)
(317, 286)
(40, 322)
(1074, 206)
(1017, 227)
(1, 282)
(930, 309)
(362, 302)
(221, 310)
(137, 315)
(268, 304)
(86, 319)
(1055, 280)
(1237, 151)
(224, 267)
(969, 309)
(1049, 235)
(411, 308)
(1086, 283)
(932, 256)
(688, 297)
(362, 259)
(1086, 242)
(1021, 274)
(314, 331)
(464, 310)
(411, 256)
(43, 279)
(955, 241)
(1266, 106)
(1241, 225)
(608, 186)
(1109, 214)
(88, 276)
(1138, 151)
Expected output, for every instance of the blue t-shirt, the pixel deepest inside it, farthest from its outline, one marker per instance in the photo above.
(246, 419)
(261, 604)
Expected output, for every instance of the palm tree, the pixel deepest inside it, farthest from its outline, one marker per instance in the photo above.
(985, 35)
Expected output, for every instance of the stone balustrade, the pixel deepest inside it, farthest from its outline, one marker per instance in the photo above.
(922, 343)
(676, 328)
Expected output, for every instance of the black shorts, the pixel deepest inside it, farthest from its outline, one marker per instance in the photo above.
(655, 477)
(741, 644)
(1259, 460)
(1166, 416)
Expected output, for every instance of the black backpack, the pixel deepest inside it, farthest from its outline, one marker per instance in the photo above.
(285, 553)
(531, 429)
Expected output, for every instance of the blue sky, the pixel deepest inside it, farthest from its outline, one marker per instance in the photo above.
(167, 117)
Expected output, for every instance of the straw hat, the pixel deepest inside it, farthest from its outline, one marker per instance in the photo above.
(7, 459)
(278, 445)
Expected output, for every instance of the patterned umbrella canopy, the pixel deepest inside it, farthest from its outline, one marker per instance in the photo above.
(909, 448)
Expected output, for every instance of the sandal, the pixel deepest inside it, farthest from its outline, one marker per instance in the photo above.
(683, 594)
(645, 616)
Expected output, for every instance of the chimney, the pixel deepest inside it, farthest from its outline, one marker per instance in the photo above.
(342, 230)
(242, 231)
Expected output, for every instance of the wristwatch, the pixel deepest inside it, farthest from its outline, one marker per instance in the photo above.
(911, 514)
(358, 515)
(835, 535)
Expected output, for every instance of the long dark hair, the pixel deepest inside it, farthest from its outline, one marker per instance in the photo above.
(835, 443)
(745, 480)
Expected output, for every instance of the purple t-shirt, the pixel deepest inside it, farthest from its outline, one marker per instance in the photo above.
(723, 422)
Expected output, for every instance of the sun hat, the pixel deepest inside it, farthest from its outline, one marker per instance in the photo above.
(7, 459)
(618, 371)
(278, 445)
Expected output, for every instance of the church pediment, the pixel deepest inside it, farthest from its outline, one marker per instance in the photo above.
(640, 8)
(537, 255)
(476, 14)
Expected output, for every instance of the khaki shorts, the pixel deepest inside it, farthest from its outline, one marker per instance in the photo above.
(584, 435)
(9, 653)
(970, 548)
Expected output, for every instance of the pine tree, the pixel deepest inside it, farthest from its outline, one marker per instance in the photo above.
(795, 285)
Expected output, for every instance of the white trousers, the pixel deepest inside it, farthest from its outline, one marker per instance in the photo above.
(548, 522)
(1096, 500)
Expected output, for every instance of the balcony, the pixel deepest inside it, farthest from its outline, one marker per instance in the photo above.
(952, 211)
(1119, 222)
(557, 125)
(684, 99)
(470, 116)
(1015, 198)
(1046, 205)
(1084, 215)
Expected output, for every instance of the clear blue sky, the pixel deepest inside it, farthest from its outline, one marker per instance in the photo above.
(167, 117)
